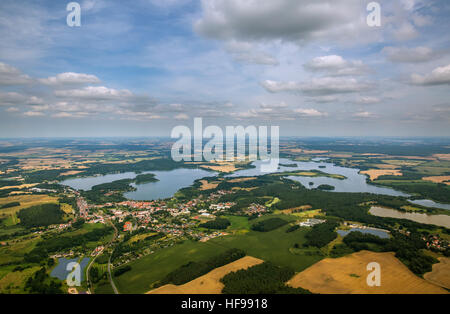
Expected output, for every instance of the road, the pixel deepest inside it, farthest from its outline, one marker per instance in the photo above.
(116, 291)
(113, 285)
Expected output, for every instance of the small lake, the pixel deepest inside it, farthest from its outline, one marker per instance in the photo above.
(378, 233)
(61, 272)
(169, 182)
(438, 220)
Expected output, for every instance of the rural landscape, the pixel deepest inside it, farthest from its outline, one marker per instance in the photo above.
(224, 155)
(230, 229)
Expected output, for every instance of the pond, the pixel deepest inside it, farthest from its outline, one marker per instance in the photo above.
(61, 272)
(379, 233)
(438, 220)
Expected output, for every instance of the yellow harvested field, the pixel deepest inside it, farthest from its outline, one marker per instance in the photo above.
(243, 189)
(68, 209)
(376, 173)
(438, 179)
(209, 283)
(341, 155)
(309, 213)
(296, 209)
(25, 201)
(442, 156)
(221, 168)
(348, 275)
(372, 154)
(241, 180)
(70, 173)
(23, 186)
(208, 185)
(440, 275)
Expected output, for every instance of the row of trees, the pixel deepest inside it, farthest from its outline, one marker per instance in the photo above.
(269, 224)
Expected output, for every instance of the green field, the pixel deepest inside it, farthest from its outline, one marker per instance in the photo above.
(274, 246)
(238, 223)
(155, 267)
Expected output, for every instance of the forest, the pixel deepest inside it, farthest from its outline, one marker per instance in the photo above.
(218, 224)
(269, 224)
(40, 215)
(322, 234)
(265, 278)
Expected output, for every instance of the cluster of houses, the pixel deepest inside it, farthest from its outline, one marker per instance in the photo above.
(311, 222)
(213, 235)
(255, 209)
(435, 242)
(98, 250)
(221, 206)
(60, 226)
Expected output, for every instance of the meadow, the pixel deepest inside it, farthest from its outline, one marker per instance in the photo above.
(274, 246)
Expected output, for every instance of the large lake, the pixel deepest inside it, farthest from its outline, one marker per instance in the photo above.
(438, 220)
(171, 181)
(355, 182)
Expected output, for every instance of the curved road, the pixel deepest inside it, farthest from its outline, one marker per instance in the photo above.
(113, 285)
(111, 281)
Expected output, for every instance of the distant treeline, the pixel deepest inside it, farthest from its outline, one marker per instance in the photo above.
(40, 215)
(418, 149)
(264, 278)
(438, 192)
(104, 168)
(193, 270)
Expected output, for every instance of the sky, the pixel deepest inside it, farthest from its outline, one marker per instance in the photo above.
(142, 67)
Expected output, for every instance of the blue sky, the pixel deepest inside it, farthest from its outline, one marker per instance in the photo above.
(139, 68)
